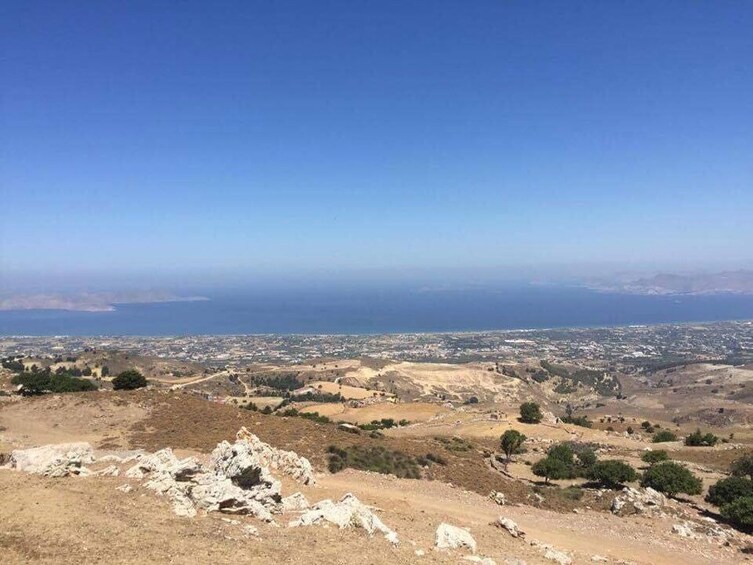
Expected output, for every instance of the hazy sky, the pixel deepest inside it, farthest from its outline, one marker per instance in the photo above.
(280, 137)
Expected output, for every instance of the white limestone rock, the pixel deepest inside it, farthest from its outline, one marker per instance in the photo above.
(510, 526)
(109, 471)
(347, 512)
(638, 501)
(452, 537)
(557, 556)
(295, 502)
(287, 462)
(59, 460)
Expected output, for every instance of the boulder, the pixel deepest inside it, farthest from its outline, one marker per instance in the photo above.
(295, 502)
(347, 512)
(59, 460)
(452, 537)
(557, 556)
(498, 497)
(510, 526)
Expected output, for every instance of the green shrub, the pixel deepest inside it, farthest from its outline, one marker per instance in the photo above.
(438, 459)
(612, 473)
(739, 512)
(743, 466)
(656, 456)
(664, 436)
(563, 452)
(697, 439)
(454, 443)
(552, 468)
(129, 380)
(671, 478)
(728, 490)
(581, 421)
(571, 493)
(530, 413)
(377, 459)
(33, 384)
(383, 424)
(586, 459)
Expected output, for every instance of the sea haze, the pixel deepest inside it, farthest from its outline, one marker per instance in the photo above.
(386, 311)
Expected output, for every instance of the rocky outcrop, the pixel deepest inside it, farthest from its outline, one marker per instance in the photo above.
(452, 537)
(287, 462)
(347, 512)
(638, 501)
(59, 460)
(236, 481)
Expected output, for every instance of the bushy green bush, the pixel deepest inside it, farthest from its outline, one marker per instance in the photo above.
(743, 466)
(552, 468)
(612, 473)
(581, 421)
(129, 380)
(530, 413)
(671, 478)
(39, 383)
(655, 456)
(739, 512)
(728, 490)
(698, 439)
(664, 436)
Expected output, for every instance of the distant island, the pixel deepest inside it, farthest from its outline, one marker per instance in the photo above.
(728, 282)
(89, 301)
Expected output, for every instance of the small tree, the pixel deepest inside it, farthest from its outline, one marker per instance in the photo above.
(552, 468)
(671, 478)
(743, 466)
(739, 512)
(612, 473)
(586, 459)
(563, 452)
(510, 442)
(697, 439)
(530, 413)
(657, 456)
(664, 436)
(728, 490)
(129, 380)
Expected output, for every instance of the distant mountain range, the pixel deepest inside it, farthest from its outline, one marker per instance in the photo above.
(88, 301)
(728, 282)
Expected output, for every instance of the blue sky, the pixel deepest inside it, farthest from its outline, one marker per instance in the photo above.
(274, 138)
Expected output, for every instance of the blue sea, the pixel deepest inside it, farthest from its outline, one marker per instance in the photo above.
(380, 311)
